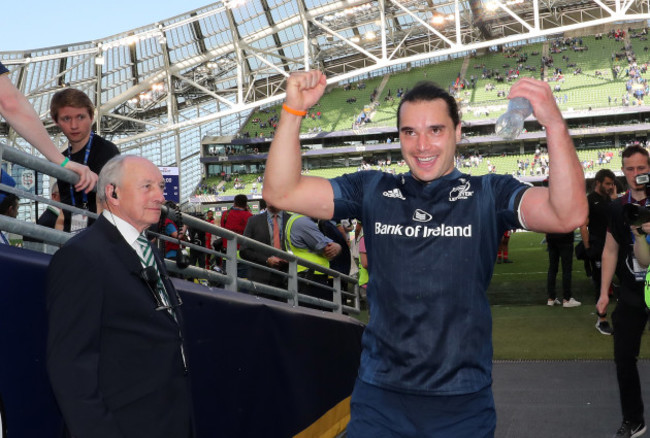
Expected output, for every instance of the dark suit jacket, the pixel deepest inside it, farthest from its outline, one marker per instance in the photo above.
(257, 229)
(114, 362)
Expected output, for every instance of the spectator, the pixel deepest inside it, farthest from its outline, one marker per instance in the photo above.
(209, 237)
(560, 247)
(429, 266)
(364, 275)
(268, 228)
(343, 260)
(52, 217)
(73, 112)
(235, 219)
(8, 203)
(594, 232)
(197, 237)
(502, 253)
(354, 248)
(305, 240)
(630, 316)
(15, 108)
(171, 229)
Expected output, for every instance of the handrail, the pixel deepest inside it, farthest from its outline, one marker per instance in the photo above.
(14, 155)
(202, 225)
(230, 281)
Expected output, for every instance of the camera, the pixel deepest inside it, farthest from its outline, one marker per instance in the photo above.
(643, 178)
(635, 214)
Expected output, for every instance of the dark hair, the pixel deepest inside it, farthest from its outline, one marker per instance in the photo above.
(427, 91)
(70, 97)
(241, 201)
(9, 201)
(634, 149)
(604, 173)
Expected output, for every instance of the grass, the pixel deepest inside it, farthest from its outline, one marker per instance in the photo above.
(525, 328)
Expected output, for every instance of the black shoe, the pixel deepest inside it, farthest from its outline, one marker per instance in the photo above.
(630, 430)
(604, 328)
(507, 261)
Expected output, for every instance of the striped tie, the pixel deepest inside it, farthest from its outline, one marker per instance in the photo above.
(147, 259)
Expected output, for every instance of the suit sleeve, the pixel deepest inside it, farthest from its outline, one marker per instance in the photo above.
(74, 306)
(253, 231)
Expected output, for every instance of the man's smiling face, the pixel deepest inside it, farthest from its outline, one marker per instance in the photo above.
(428, 138)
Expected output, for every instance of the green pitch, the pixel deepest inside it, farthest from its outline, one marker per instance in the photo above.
(525, 328)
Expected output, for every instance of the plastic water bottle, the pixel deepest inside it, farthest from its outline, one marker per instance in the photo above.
(511, 123)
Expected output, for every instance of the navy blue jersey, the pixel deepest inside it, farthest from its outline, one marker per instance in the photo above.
(431, 252)
(3, 69)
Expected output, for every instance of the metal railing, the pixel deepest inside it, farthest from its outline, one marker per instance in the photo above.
(343, 300)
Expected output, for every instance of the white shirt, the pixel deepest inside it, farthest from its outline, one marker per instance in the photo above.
(128, 231)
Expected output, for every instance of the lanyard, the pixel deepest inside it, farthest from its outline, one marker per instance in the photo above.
(4, 238)
(85, 163)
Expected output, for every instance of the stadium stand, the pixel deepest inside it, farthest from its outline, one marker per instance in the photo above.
(588, 72)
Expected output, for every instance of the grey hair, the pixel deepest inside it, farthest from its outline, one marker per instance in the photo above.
(111, 173)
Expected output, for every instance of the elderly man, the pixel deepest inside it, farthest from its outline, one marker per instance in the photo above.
(432, 236)
(8, 203)
(115, 352)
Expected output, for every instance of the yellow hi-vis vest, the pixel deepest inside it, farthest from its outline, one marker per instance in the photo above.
(302, 252)
(363, 272)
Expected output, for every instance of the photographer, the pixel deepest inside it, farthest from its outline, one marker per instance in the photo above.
(630, 316)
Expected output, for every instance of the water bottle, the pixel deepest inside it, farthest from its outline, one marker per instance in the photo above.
(511, 123)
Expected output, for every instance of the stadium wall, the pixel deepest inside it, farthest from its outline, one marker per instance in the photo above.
(258, 367)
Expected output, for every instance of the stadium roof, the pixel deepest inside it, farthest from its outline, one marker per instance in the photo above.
(162, 87)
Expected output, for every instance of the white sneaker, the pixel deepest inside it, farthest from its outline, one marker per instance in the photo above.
(571, 303)
(554, 302)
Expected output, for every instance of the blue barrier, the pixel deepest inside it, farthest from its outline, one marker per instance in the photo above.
(258, 367)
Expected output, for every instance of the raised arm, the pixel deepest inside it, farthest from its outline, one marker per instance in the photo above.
(562, 207)
(15, 108)
(284, 186)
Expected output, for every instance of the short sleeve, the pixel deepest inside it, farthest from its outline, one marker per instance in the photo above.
(348, 193)
(170, 229)
(3, 69)
(508, 193)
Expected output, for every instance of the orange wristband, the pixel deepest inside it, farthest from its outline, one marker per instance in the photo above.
(293, 111)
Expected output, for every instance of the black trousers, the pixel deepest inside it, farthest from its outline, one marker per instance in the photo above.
(629, 323)
(313, 290)
(596, 273)
(197, 257)
(557, 252)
